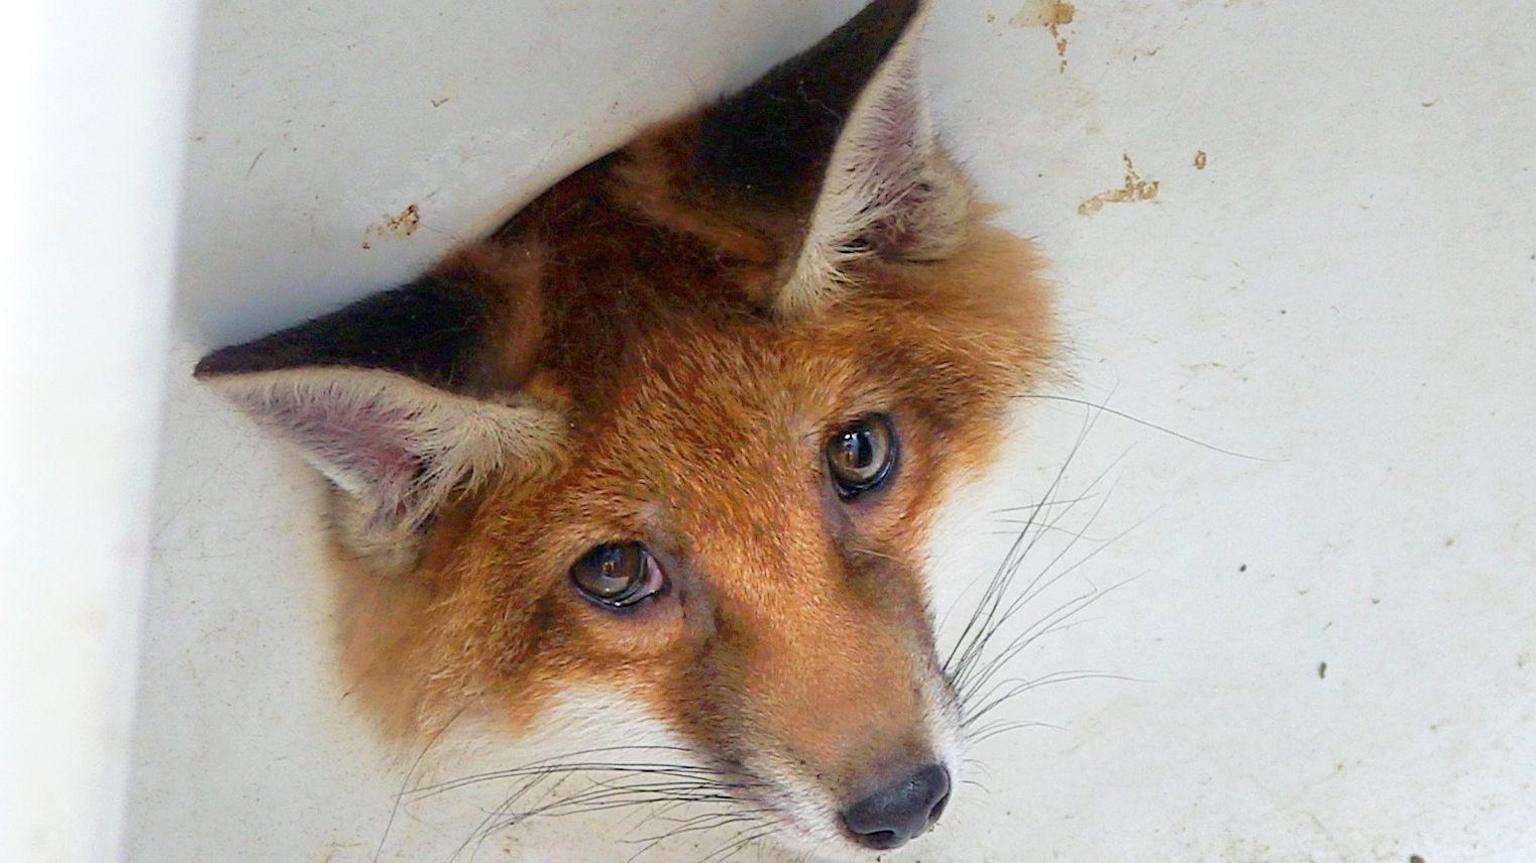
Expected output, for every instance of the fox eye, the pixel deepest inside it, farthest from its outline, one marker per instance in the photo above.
(618, 575)
(862, 455)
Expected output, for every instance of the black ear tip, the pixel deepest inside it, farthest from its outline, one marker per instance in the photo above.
(902, 9)
(883, 18)
(209, 366)
(224, 361)
(770, 142)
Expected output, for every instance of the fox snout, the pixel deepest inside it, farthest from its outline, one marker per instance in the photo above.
(862, 752)
(849, 721)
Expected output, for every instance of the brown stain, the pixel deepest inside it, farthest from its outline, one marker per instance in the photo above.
(1200, 160)
(1052, 16)
(1044, 13)
(400, 226)
(404, 223)
(1135, 189)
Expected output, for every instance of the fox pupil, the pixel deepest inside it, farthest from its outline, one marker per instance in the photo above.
(861, 456)
(614, 574)
(858, 452)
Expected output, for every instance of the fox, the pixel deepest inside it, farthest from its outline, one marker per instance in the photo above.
(678, 430)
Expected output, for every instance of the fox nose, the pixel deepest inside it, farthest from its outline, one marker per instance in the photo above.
(900, 811)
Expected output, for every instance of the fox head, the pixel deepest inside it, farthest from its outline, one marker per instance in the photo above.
(677, 430)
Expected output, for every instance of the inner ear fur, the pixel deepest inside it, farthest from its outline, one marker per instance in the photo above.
(411, 396)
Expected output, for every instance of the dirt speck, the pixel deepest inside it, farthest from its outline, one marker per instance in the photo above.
(1430, 104)
(1450, 541)
(1044, 13)
(1415, 859)
(1523, 659)
(1200, 160)
(1242, 567)
(404, 223)
(1322, 671)
(438, 103)
(400, 226)
(1052, 16)
(1135, 189)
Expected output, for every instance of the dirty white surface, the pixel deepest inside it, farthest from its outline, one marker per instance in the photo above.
(1346, 288)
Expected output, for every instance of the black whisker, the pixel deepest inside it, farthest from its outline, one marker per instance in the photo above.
(1023, 686)
(405, 780)
(1013, 562)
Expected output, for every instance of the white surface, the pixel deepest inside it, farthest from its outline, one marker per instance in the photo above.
(95, 99)
(1348, 288)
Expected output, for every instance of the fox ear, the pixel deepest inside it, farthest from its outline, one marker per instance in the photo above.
(394, 398)
(840, 137)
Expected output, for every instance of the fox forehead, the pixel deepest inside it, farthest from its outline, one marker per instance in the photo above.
(713, 447)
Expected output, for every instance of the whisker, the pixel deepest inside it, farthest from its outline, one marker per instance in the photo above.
(993, 729)
(536, 768)
(1041, 504)
(1042, 627)
(1036, 585)
(986, 608)
(1104, 408)
(1047, 680)
(405, 780)
(733, 846)
(1025, 542)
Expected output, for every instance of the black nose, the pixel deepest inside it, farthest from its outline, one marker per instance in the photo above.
(898, 812)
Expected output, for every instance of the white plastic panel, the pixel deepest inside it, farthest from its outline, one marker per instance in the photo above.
(94, 96)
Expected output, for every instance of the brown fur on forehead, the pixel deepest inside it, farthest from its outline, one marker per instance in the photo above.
(625, 258)
(652, 333)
